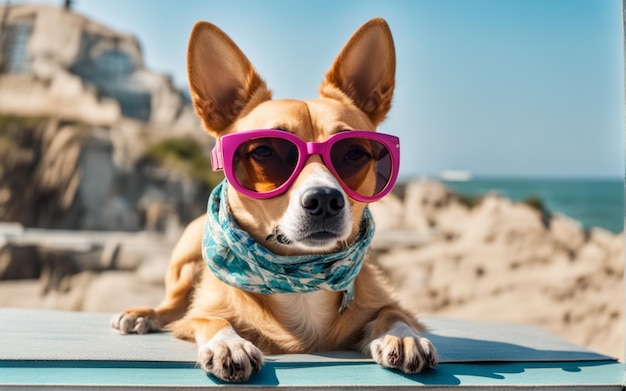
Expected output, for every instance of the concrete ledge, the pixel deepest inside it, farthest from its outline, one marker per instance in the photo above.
(312, 375)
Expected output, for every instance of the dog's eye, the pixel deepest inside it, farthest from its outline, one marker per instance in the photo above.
(356, 154)
(262, 152)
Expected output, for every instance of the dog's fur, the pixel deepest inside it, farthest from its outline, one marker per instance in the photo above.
(233, 327)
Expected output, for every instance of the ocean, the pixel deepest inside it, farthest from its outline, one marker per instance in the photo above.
(593, 202)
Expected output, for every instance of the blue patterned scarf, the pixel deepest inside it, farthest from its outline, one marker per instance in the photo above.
(238, 260)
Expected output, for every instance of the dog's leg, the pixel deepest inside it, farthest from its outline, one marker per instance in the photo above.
(185, 265)
(394, 342)
(221, 351)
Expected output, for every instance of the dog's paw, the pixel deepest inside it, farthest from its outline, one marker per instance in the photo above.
(139, 321)
(229, 357)
(404, 349)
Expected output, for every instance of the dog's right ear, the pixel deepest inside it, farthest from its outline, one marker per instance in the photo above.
(364, 71)
(222, 81)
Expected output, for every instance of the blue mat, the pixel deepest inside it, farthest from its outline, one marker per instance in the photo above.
(61, 350)
(27, 334)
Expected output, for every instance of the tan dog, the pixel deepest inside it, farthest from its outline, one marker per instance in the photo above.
(231, 326)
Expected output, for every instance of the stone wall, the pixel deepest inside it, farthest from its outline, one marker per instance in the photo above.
(63, 175)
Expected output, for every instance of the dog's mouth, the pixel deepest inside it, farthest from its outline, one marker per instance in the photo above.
(318, 239)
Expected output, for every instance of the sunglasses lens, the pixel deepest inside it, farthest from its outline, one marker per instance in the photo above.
(364, 165)
(263, 164)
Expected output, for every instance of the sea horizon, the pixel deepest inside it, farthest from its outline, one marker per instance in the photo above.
(594, 201)
(404, 178)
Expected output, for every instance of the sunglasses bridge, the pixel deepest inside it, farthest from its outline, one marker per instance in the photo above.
(316, 148)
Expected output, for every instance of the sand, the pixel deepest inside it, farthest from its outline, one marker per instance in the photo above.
(506, 262)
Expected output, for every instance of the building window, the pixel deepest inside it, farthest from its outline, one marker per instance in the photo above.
(18, 59)
(114, 63)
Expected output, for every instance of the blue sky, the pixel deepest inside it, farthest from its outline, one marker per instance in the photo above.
(495, 87)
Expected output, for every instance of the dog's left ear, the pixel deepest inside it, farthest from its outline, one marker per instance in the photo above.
(222, 81)
(364, 71)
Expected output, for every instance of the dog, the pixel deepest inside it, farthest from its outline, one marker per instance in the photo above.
(276, 265)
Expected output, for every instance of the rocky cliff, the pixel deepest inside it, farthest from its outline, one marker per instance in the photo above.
(79, 114)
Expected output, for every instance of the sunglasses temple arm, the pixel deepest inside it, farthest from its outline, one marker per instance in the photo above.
(217, 161)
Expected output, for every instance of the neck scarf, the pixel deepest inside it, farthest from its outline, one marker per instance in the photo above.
(238, 260)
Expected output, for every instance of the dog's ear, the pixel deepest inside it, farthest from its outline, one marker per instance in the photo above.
(222, 81)
(364, 71)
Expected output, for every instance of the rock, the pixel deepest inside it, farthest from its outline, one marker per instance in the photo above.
(10, 230)
(115, 291)
(134, 250)
(506, 261)
(20, 293)
(388, 213)
(497, 219)
(18, 262)
(423, 200)
(602, 237)
(65, 177)
(29, 96)
(567, 232)
(153, 271)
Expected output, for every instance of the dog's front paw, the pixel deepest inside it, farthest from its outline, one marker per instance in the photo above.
(140, 321)
(229, 357)
(406, 351)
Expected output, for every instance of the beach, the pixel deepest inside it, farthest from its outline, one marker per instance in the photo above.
(496, 260)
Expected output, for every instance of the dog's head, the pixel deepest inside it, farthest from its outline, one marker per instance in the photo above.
(315, 214)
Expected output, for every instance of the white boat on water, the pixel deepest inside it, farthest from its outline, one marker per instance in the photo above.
(455, 175)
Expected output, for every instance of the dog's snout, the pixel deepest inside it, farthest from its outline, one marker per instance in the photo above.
(322, 202)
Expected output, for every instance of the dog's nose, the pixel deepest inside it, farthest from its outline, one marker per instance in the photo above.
(321, 202)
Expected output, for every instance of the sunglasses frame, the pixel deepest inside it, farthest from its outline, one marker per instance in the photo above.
(226, 147)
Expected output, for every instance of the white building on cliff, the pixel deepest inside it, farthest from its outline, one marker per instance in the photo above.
(55, 62)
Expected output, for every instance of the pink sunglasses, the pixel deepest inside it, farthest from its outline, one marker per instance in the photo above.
(264, 163)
